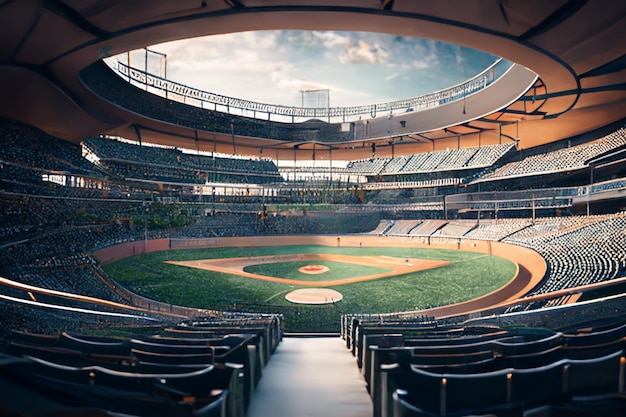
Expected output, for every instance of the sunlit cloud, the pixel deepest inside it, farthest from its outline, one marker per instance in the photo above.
(360, 51)
(330, 39)
(357, 67)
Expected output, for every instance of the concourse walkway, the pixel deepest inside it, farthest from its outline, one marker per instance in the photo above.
(311, 377)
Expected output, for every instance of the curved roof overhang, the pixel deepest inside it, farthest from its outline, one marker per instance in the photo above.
(575, 46)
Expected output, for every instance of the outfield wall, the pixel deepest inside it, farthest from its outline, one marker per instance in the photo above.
(124, 250)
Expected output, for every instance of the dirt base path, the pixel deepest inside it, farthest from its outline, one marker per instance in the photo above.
(235, 266)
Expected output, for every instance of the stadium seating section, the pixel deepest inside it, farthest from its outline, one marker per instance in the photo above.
(57, 208)
(427, 368)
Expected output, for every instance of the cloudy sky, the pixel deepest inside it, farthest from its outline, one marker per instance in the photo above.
(274, 66)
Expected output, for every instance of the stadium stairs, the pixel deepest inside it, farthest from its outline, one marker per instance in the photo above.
(311, 376)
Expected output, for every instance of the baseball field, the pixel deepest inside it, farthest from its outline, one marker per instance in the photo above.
(359, 279)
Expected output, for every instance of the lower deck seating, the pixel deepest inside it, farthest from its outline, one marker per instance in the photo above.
(422, 369)
(189, 372)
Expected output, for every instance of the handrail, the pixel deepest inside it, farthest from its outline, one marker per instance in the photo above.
(454, 93)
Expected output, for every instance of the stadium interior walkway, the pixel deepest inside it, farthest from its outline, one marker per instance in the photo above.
(311, 377)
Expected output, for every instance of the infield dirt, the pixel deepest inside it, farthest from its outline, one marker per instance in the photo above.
(235, 266)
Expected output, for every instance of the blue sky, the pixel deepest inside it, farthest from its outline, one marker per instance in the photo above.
(357, 67)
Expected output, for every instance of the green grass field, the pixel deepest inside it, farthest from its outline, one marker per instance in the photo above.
(469, 275)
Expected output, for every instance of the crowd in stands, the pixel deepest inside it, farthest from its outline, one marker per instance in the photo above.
(61, 261)
(26, 215)
(23, 146)
(48, 230)
(128, 160)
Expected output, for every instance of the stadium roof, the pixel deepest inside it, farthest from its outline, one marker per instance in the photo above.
(576, 47)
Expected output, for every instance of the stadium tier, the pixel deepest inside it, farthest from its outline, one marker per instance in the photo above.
(126, 160)
(567, 159)
(450, 160)
(106, 83)
(62, 203)
(50, 193)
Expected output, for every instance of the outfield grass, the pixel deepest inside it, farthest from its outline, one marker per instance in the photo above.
(469, 275)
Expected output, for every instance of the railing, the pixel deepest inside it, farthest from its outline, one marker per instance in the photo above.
(604, 186)
(335, 114)
(513, 200)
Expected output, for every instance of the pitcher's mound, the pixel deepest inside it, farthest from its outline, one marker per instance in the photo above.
(313, 269)
(314, 296)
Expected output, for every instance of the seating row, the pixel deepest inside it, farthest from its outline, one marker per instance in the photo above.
(192, 370)
(426, 368)
(512, 389)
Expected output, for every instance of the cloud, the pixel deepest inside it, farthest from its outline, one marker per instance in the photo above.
(330, 40)
(360, 51)
(423, 64)
(273, 66)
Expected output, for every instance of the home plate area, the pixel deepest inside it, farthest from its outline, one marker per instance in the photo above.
(314, 296)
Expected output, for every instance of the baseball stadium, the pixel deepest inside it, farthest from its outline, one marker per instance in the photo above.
(171, 250)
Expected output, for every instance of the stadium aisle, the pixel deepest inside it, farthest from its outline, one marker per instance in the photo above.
(311, 377)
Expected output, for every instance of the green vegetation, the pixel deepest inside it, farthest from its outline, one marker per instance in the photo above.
(470, 275)
(162, 216)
